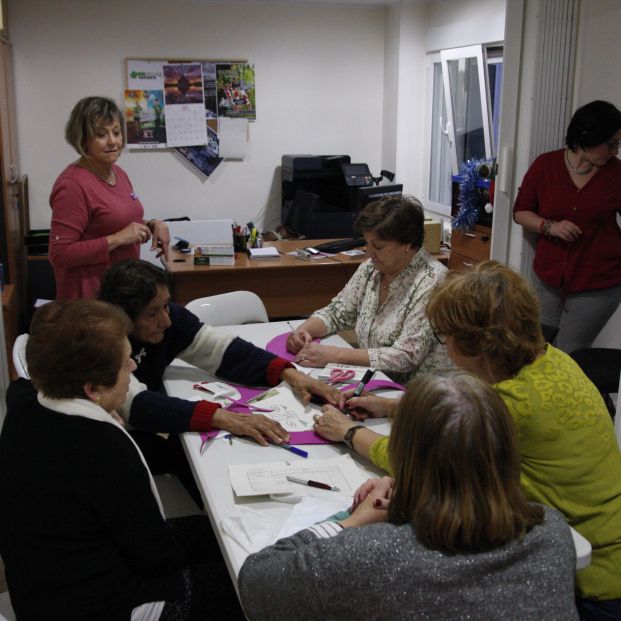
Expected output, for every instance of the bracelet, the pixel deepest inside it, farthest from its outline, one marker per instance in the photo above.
(547, 225)
(349, 435)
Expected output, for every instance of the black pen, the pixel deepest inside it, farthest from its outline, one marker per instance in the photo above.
(366, 378)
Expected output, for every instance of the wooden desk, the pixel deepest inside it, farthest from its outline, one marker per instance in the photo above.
(289, 287)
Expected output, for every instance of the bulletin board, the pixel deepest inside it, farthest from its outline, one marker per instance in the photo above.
(200, 108)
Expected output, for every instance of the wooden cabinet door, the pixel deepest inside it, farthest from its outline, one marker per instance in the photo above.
(9, 167)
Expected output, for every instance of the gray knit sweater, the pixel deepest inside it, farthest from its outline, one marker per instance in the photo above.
(382, 572)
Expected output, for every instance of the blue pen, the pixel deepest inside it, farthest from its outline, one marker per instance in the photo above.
(293, 449)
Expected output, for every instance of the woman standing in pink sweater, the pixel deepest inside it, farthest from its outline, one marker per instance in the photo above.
(97, 219)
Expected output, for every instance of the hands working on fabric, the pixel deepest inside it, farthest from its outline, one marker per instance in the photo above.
(255, 426)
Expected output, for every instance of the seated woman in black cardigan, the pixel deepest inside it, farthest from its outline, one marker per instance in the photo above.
(82, 532)
(451, 537)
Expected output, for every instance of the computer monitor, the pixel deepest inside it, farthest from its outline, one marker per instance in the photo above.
(364, 196)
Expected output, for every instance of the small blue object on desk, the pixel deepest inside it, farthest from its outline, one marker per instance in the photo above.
(293, 449)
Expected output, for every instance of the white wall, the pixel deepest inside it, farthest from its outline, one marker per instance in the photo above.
(319, 71)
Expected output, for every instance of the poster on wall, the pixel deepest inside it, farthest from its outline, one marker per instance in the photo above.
(236, 92)
(178, 104)
(144, 119)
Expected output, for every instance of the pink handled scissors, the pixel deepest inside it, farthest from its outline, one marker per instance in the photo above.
(340, 376)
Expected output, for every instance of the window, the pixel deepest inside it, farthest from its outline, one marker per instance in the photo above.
(465, 114)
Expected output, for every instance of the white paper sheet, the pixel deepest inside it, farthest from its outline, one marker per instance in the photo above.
(271, 478)
(287, 410)
(233, 136)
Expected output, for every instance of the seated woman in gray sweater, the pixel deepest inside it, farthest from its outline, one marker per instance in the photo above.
(450, 537)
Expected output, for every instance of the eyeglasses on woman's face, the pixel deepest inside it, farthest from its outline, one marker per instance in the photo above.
(439, 337)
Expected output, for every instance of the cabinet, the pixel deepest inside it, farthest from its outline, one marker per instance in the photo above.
(470, 248)
(9, 316)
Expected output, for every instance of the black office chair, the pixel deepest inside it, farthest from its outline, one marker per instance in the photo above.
(301, 212)
(603, 367)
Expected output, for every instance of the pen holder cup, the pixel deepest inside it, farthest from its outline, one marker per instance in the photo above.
(240, 242)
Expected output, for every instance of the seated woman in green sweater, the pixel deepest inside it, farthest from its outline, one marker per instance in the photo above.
(489, 318)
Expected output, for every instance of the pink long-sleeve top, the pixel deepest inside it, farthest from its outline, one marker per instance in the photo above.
(85, 209)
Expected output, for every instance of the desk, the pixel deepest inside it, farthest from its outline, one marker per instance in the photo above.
(210, 469)
(289, 287)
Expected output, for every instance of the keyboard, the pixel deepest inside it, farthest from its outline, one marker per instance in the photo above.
(334, 247)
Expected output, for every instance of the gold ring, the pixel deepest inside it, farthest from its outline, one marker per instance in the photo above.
(316, 417)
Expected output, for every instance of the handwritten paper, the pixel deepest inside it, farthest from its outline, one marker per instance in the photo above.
(287, 410)
(271, 478)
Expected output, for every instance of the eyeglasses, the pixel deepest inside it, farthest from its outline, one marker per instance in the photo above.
(439, 337)
(613, 144)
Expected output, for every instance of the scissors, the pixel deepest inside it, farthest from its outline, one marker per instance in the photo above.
(340, 376)
(235, 405)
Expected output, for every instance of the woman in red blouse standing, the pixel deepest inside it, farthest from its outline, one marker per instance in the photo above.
(572, 199)
(97, 219)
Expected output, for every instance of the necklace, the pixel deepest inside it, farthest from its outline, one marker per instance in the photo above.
(109, 179)
(578, 171)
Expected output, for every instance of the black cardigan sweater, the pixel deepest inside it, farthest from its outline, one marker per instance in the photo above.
(81, 533)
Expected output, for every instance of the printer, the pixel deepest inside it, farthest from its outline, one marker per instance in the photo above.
(315, 196)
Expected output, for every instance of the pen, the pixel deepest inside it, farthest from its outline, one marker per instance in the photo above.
(291, 326)
(293, 449)
(310, 483)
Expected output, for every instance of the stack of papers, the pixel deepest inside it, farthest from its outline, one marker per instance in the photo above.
(263, 253)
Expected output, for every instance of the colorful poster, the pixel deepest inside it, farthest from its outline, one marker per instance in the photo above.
(236, 91)
(144, 119)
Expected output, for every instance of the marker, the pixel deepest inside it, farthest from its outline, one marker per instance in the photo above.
(366, 378)
(293, 449)
(310, 483)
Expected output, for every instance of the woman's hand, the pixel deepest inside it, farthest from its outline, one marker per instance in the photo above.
(305, 387)
(133, 233)
(315, 355)
(374, 507)
(565, 230)
(298, 339)
(378, 486)
(161, 238)
(333, 425)
(369, 405)
(254, 426)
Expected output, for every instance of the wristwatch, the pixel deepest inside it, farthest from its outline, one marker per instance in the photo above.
(349, 435)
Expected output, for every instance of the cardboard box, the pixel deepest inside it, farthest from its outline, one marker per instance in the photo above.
(433, 236)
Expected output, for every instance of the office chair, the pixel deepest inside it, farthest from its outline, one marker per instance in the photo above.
(19, 356)
(301, 212)
(228, 309)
